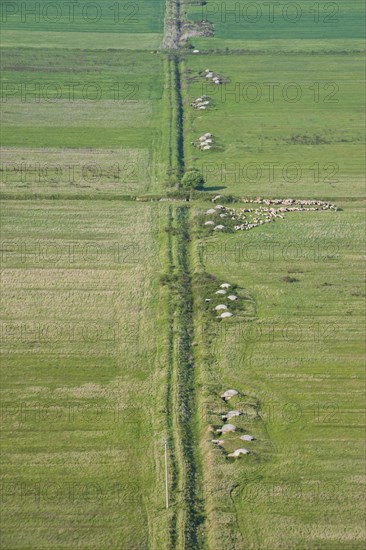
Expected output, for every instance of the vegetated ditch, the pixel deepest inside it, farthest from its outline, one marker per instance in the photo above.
(169, 404)
(180, 115)
(186, 384)
(175, 169)
(188, 517)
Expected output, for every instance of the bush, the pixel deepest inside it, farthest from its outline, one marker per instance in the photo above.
(289, 279)
(193, 179)
(172, 177)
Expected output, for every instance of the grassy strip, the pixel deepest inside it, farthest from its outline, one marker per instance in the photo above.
(66, 196)
(172, 173)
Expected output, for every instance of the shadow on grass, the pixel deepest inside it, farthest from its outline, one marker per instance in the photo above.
(214, 188)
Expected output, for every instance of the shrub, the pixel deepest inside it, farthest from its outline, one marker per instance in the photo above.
(172, 177)
(289, 279)
(193, 179)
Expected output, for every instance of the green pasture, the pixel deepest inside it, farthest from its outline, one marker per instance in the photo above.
(77, 114)
(80, 137)
(299, 362)
(260, 21)
(282, 124)
(277, 45)
(108, 341)
(142, 16)
(67, 74)
(79, 40)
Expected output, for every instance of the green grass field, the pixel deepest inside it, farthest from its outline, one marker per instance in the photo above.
(71, 171)
(283, 125)
(80, 40)
(242, 21)
(299, 361)
(295, 350)
(108, 343)
(80, 393)
(128, 17)
(90, 99)
(83, 388)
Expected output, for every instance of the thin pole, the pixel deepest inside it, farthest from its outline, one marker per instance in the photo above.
(166, 474)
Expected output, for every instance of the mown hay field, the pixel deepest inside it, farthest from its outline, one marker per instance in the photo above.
(80, 40)
(81, 424)
(62, 106)
(94, 26)
(74, 171)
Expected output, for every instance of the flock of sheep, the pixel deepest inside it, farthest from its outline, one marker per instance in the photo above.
(230, 428)
(248, 218)
(204, 142)
(223, 290)
(213, 77)
(201, 103)
(291, 204)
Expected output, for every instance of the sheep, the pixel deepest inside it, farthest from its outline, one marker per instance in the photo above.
(226, 314)
(220, 307)
(230, 414)
(238, 452)
(227, 428)
(228, 394)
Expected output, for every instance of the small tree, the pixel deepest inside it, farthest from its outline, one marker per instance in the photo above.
(193, 179)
